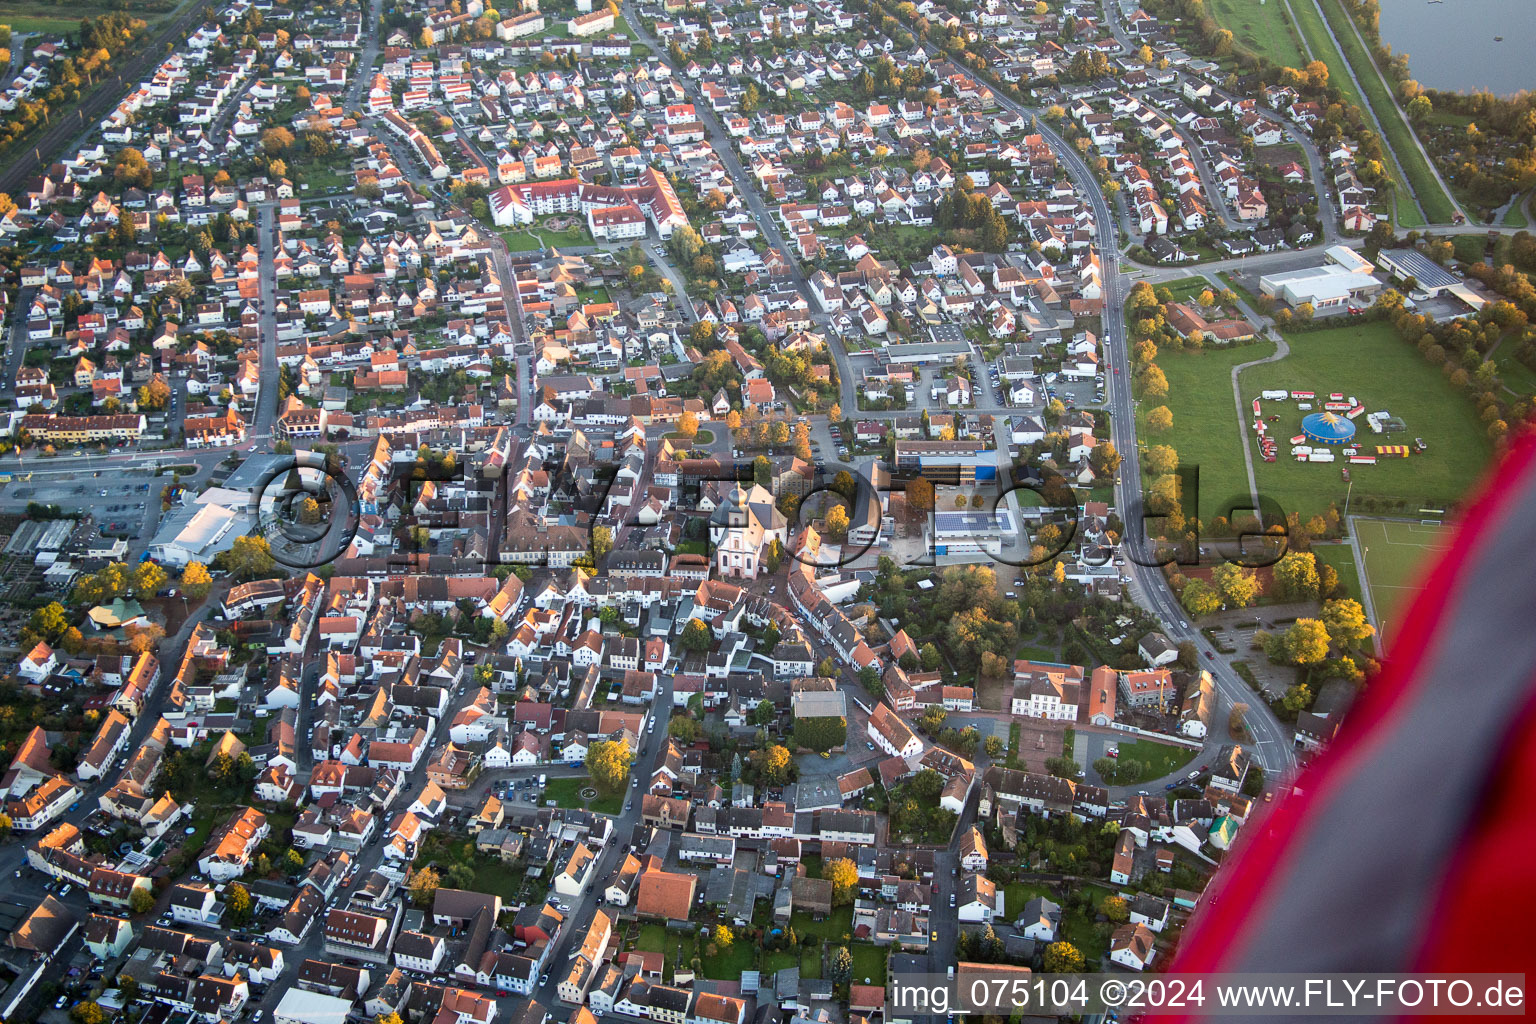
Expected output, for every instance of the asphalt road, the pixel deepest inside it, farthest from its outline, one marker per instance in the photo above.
(1272, 740)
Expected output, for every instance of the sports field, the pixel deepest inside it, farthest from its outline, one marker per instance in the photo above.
(1397, 554)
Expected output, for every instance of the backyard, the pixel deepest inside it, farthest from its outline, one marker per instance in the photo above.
(1371, 362)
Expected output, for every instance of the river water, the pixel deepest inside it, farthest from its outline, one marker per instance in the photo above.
(1451, 45)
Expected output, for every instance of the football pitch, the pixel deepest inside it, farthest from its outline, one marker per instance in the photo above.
(1397, 555)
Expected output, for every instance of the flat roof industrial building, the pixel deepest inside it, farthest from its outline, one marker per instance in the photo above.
(1344, 277)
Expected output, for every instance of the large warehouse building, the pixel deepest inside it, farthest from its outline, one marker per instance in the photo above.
(1344, 278)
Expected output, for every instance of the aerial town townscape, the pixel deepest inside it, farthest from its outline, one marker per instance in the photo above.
(687, 509)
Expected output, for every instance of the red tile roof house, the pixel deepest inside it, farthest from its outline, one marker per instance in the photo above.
(665, 894)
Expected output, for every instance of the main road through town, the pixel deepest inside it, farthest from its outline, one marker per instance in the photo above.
(1271, 741)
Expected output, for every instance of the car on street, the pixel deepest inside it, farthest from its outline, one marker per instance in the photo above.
(543, 980)
(1171, 785)
(1193, 775)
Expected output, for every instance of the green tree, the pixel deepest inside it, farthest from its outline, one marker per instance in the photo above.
(821, 734)
(196, 581)
(844, 876)
(840, 968)
(1298, 697)
(1306, 642)
(237, 902)
(1345, 621)
(141, 901)
(777, 765)
(1062, 958)
(1199, 599)
(764, 713)
(696, 636)
(1114, 907)
(930, 657)
(1237, 585)
(1295, 576)
(249, 557)
(602, 541)
(608, 763)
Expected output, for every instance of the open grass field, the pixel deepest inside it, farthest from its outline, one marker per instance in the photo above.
(1205, 427)
(1370, 362)
(1396, 555)
(1421, 179)
(1264, 29)
(1158, 759)
(44, 16)
(1186, 287)
(1342, 558)
(51, 17)
(1517, 377)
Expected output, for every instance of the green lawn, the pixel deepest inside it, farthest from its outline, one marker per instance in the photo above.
(567, 793)
(653, 939)
(1089, 938)
(1421, 177)
(1342, 558)
(535, 236)
(1034, 652)
(1159, 758)
(1262, 28)
(1188, 287)
(1205, 429)
(1517, 377)
(493, 876)
(832, 930)
(1514, 217)
(1396, 554)
(693, 547)
(1369, 361)
(1016, 894)
(868, 963)
(701, 437)
(731, 962)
